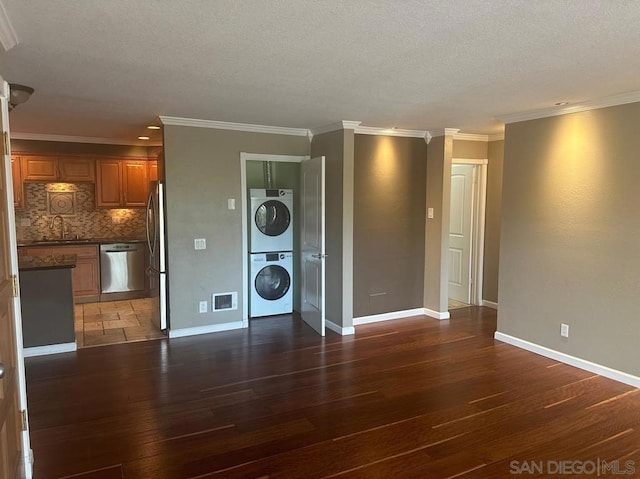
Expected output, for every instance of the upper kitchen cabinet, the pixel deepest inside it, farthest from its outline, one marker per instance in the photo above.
(122, 183)
(153, 171)
(48, 168)
(16, 173)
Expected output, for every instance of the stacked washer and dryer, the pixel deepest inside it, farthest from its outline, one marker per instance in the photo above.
(271, 252)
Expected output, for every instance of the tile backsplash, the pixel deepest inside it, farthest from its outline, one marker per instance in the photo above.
(86, 220)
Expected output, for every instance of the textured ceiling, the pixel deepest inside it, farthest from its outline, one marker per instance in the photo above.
(107, 68)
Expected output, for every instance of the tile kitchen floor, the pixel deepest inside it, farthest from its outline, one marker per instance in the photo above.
(97, 324)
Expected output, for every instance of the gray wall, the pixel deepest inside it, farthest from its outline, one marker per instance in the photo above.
(389, 224)
(439, 154)
(284, 175)
(492, 221)
(569, 235)
(337, 147)
(202, 171)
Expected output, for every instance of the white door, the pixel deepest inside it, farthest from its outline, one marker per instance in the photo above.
(460, 232)
(14, 443)
(312, 243)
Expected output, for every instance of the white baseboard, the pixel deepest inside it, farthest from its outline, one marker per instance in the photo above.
(210, 328)
(488, 304)
(50, 349)
(436, 314)
(375, 318)
(605, 371)
(407, 313)
(339, 329)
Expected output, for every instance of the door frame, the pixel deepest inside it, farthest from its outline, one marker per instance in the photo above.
(244, 157)
(478, 211)
(27, 454)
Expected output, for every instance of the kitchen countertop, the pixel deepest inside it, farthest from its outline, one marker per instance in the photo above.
(76, 242)
(57, 261)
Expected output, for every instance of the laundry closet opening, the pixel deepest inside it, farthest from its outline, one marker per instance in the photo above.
(272, 237)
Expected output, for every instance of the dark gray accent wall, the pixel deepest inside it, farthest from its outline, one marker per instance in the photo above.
(389, 223)
(569, 235)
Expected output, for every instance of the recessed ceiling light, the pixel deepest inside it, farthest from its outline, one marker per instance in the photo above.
(143, 138)
(562, 103)
(153, 127)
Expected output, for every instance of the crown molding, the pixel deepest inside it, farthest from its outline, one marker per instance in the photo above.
(470, 137)
(8, 37)
(225, 125)
(605, 102)
(496, 136)
(80, 139)
(339, 125)
(370, 130)
(444, 132)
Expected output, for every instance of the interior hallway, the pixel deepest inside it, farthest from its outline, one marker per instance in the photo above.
(415, 397)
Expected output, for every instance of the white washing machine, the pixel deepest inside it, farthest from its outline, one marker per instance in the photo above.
(271, 217)
(271, 284)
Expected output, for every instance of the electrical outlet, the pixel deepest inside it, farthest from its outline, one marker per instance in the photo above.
(200, 243)
(204, 306)
(564, 330)
(25, 222)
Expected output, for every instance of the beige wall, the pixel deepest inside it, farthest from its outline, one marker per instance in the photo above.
(337, 148)
(492, 221)
(202, 171)
(476, 150)
(569, 235)
(389, 224)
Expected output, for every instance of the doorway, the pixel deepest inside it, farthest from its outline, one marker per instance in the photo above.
(466, 232)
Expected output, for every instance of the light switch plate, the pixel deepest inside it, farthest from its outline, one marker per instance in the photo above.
(231, 203)
(200, 243)
(564, 330)
(204, 306)
(430, 213)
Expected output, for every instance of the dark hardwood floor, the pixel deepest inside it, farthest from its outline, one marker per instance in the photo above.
(407, 398)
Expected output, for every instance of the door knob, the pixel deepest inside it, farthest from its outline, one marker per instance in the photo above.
(1, 370)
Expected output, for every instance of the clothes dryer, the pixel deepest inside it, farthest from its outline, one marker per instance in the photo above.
(271, 217)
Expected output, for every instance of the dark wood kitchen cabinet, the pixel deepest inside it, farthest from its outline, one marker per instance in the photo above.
(122, 183)
(50, 168)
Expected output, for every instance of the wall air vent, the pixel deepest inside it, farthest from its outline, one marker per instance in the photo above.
(224, 301)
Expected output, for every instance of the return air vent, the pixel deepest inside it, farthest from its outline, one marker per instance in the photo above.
(224, 301)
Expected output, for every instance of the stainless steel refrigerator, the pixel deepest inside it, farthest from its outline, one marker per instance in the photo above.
(157, 269)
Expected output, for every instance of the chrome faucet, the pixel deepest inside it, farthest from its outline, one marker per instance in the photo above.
(61, 225)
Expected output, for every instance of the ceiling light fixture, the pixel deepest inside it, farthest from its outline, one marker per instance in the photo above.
(143, 138)
(18, 94)
(562, 103)
(153, 127)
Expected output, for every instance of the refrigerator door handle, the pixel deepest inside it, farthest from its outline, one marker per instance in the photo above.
(151, 218)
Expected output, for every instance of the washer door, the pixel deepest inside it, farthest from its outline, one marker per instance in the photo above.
(272, 218)
(272, 282)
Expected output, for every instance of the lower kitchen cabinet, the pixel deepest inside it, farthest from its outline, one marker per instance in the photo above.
(86, 274)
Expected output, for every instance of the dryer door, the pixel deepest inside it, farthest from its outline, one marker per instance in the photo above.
(272, 282)
(272, 218)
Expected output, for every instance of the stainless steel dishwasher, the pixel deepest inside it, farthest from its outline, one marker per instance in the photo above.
(122, 267)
